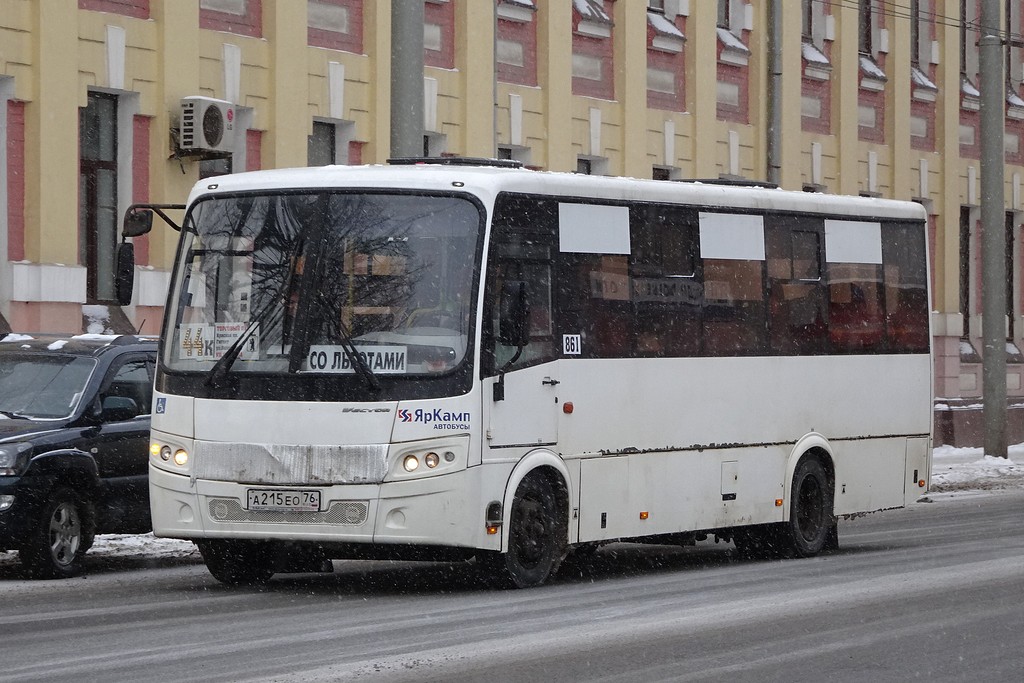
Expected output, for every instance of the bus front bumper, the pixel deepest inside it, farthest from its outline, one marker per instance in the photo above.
(429, 511)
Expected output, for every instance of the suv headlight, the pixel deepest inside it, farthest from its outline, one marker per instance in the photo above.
(13, 458)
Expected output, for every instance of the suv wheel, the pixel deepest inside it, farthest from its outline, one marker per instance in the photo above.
(62, 534)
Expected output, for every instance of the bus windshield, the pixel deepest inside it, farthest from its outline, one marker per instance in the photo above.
(367, 284)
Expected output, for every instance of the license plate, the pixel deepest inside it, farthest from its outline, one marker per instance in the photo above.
(288, 500)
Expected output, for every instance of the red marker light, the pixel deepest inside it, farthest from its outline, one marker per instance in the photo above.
(567, 407)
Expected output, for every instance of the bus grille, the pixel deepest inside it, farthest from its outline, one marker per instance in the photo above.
(305, 465)
(344, 513)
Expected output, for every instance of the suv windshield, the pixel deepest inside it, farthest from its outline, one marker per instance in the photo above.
(42, 386)
(325, 283)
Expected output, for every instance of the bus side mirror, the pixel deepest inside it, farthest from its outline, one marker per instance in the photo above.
(137, 222)
(514, 315)
(124, 278)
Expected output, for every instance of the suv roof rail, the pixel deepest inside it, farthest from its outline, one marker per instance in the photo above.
(455, 161)
(132, 338)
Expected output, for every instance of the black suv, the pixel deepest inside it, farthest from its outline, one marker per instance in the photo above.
(74, 444)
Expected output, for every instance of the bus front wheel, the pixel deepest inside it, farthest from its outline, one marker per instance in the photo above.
(536, 539)
(236, 563)
(811, 522)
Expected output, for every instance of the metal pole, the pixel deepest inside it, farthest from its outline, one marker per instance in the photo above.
(774, 145)
(993, 244)
(406, 78)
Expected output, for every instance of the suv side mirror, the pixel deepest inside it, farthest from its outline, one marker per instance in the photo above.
(514, 314)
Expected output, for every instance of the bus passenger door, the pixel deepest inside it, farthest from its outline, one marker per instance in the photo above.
(521, 384)
(528, 415)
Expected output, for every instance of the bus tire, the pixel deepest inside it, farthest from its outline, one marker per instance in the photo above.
(236, 563)
(62, 533)
(811, 520)
(536, 537)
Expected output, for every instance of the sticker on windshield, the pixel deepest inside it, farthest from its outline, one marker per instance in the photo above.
(380, 360)
(199, 341)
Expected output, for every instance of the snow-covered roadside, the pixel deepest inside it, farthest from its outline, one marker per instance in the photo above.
(969, 469)
(953, 470)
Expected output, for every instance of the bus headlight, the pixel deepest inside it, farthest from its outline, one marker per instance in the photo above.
(173, 455)
(427, 458)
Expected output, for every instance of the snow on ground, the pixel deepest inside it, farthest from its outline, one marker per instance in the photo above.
(969, 469)
(953, 470)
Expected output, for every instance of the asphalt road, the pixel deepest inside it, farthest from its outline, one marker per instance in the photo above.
(934, 592)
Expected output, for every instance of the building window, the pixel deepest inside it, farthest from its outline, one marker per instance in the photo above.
(665, 67)
(208, 168)
(243, 17)
(965, 270)
(439, 33)
(724, 12)
(866, 27)
(516, 42)
(807, 20)
(321, 145)
(915, 33)
(592, 67)
(335, 25)
(129, 8)
(331, 142)
(97, 193)
(1011, 226)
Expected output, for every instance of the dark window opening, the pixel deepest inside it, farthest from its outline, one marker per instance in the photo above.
(965, 270)
(321, 145)
(97, 195)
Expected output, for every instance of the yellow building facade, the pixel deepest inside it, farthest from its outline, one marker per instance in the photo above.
(875, 101)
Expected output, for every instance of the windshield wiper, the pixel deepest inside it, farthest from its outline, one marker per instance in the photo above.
(224, 363)
(277, 303)
(12, 416)
(358, 362)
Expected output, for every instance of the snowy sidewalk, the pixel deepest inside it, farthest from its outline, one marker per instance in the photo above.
(968, 469)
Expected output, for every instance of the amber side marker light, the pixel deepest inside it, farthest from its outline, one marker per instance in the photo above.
(778, 502)
(644, 515)
(920, 482)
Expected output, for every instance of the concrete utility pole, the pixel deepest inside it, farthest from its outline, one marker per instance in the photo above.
(774, 146)
(993, 244)
(406, 78)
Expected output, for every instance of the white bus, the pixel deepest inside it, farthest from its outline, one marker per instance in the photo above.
(439, 360)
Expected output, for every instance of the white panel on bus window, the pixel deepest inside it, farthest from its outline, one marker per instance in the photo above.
(593, 229)
(731, 236)
(853, 242)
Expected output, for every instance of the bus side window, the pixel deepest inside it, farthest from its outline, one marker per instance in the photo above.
(856, 307)
(734, 319)
(522, 247)
(664, 283)
(906, 288)
(797, 312)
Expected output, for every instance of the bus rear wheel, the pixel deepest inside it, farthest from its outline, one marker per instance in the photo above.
(236, 563)
(811, 522)
(536, 538)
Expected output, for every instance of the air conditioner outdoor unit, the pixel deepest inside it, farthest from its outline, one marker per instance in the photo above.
(207, 125)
